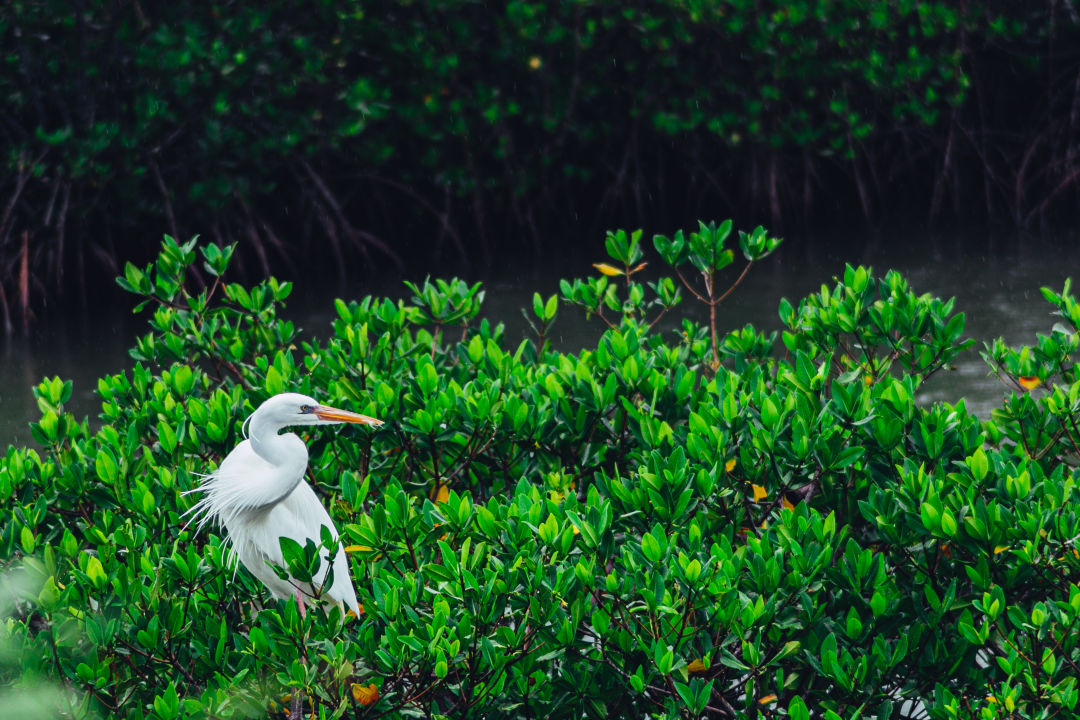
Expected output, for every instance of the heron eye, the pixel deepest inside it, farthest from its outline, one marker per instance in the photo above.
(306, 409)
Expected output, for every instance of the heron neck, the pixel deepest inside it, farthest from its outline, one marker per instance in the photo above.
(268, 444)
(286, 452)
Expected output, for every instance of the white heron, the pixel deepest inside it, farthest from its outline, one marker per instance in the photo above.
(259, 495)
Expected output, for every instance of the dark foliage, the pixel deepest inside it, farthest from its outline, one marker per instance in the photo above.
(378, 131)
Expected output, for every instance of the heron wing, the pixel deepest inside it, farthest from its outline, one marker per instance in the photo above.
(300, 516)
(230, 490)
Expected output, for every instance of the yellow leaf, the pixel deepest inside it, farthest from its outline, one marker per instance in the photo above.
(786, 504)
(868, 379)
(365, 694)
(760, 493)
(608, 270)
(639, 267)
(767, 699)
(534, 63)
(363, 548)
(350, 613)
(1029, 382)
(730, 464)
(696, 666)
(1000, 549)
(442, 493)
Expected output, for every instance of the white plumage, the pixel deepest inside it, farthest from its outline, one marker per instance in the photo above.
(259, 495)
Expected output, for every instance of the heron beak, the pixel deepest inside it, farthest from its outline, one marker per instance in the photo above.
(325, 412)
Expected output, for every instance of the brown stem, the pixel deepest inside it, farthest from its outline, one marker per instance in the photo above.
(443, 215)
(735, 284)
(657, 318)
(946, 165)
(61, 226)
(774, 195)
(52, 202)
(335, 207)
(808, 187)
(332, 234)
(24, 281)
(860, 182)
(689, 287)
(268, 231)
(1018, 190)
(253, 235)
(1074, 124)
(5, 310)
(712, 329)
(170, 216)
(1065, 182)
(25, 171)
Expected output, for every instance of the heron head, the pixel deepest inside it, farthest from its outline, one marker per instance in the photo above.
(295, 409)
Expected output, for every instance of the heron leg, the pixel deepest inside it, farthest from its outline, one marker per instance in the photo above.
(299, 602)
(296, 707)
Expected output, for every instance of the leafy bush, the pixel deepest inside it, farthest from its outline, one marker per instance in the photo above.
(702, 524)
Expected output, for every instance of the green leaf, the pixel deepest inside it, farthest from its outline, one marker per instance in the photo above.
(978, 464)
(96, 572)
(797, 709)
(105, 466)
(948, 523)
(650, 548)
(551, 307)
(274, 383)
(664, 657)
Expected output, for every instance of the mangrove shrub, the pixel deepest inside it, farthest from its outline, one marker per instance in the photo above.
(676, 522)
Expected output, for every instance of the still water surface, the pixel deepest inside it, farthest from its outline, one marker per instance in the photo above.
(997, 289)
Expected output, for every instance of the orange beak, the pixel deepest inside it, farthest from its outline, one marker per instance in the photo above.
(325, 412)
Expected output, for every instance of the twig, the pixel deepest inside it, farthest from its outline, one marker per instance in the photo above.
(61, 226)
(6, 311)
(443, 215)
(1065, 182)
(25, 171)
(333, 204)
(253, 235)
(170, 216)
(24, 281)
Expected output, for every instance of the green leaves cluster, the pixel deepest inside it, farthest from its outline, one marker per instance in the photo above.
(658, 526)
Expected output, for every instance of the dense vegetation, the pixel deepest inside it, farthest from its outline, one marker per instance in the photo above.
(682, 523)
(460, 129)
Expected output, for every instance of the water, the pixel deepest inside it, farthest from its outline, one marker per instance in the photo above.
(996, 287)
